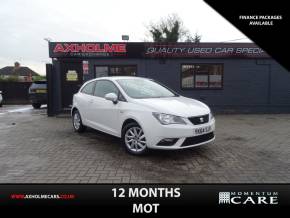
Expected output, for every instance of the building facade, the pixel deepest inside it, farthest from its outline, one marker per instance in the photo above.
(230, 77)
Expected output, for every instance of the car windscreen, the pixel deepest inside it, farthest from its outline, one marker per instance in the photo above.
(144, 88)
(38, 85)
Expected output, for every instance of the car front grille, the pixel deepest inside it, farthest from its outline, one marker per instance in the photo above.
(197, 139)
(199, 119)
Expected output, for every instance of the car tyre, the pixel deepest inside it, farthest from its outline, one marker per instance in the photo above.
(36, 105)
(133, 139)
(77, 122)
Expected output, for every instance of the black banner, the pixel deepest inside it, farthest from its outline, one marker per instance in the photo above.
(154, 50)
(265, 23)
(147, 198)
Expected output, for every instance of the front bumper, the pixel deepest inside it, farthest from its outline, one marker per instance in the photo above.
(185, 135)
(38, 98)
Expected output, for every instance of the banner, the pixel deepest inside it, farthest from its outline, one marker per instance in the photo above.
(160, 199)
(154, 50)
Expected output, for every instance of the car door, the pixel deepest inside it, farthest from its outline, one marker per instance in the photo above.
(105, 114)
(84, 101)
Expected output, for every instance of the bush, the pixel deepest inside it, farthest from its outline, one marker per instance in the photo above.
(38, 78)
(12, 78)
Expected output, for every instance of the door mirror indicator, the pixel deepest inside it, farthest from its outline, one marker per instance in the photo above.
(112, 97)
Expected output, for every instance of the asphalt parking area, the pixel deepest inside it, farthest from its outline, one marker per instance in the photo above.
(35, 148)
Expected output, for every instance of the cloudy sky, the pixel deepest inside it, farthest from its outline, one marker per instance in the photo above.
(25, 23)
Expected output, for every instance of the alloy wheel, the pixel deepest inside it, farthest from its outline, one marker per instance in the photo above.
(135, 139)
(77, 121)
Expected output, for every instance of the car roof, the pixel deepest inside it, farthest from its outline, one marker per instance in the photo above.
(120, 77)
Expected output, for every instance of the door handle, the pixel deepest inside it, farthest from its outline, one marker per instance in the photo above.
(91, 101)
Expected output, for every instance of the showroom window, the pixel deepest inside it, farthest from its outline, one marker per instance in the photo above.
(202, 76)
(120, 70)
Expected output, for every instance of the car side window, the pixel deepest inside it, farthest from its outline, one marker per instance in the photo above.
(104, 87)
(89, 88)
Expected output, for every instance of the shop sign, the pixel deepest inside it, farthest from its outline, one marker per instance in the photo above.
(64, 49)
(87, 50)
(71, 75)
(204, 50)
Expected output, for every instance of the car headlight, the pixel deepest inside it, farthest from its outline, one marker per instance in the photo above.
(166, 119)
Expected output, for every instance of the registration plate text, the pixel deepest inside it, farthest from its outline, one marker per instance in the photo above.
(202, 130)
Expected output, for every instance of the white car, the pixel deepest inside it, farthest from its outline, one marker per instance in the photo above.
(1, 98)
(143, 113)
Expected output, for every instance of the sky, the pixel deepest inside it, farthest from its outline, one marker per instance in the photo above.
(24, 24)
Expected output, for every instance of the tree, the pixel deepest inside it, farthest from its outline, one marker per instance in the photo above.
(38, 78)
(171, 29)
(195, 39)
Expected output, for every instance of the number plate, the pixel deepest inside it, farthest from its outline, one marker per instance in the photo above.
(40, 90)
(202, 130)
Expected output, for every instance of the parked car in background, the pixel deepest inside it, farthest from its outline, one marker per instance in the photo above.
(1, 99)
(38, 93)
(143, 113)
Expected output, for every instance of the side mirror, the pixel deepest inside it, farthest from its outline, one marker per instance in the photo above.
(112, 97)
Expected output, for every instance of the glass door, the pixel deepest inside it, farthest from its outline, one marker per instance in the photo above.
(101, 71)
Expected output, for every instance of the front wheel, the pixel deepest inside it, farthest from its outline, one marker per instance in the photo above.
(134, 139)
(77, 122)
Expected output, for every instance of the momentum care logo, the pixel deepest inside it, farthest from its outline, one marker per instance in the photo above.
(248, 198)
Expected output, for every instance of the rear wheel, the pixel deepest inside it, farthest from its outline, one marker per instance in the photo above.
(134, 139)
(77, 122)
(36, 105)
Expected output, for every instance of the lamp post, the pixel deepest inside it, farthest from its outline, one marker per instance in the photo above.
(125, 37)
(47, 39)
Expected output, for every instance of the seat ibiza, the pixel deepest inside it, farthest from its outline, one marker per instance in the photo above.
(143, 113)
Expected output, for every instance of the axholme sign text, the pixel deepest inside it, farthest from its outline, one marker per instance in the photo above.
(89, 47)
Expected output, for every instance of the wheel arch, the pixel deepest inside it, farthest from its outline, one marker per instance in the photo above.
(130, 120)
(73, 110)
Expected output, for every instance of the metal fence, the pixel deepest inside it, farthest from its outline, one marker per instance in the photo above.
(15, 92)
